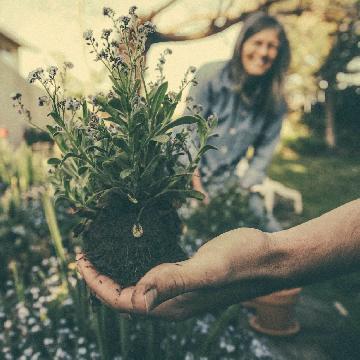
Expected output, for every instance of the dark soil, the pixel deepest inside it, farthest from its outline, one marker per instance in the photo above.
(110, 246)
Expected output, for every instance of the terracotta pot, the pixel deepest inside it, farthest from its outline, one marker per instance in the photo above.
(275, 313)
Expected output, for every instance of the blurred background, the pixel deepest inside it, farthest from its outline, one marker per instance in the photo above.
(44, 311)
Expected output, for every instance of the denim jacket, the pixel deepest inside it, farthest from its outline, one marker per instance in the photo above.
(237, 129)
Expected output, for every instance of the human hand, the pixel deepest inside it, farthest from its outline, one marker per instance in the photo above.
(216, 276)
(197, 185)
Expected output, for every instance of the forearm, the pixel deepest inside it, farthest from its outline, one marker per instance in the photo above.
(319, 249)
(245, 263)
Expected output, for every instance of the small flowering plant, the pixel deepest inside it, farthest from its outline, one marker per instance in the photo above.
(122, 165)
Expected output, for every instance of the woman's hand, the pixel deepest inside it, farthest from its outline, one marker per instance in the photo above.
(197, 185)
(215, 276)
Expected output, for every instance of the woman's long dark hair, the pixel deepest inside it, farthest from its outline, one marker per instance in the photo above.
(266, 92)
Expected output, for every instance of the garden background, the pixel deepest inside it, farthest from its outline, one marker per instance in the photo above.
(44, 308)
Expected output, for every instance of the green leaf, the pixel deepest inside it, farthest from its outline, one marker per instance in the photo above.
(82, 169)
(158, 98)
(98, 148)
(51, 129)
(58, 119)
(204, 149)
(125, 173)
(69, 155)
(116, 116)
(54, 161)
(184, 120)
(187, 193)
(161, 138)
(132, 199)
(150, 168)
(85, 113)
(121, 143)
(117, 104)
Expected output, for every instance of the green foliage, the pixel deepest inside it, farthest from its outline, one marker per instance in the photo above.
(228, 210)
(125, 143)
(24, 235)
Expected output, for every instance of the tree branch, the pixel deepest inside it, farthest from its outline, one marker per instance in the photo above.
(151, 16)
(213, 29)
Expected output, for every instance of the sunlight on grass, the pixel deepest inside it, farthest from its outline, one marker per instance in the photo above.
(325, 181)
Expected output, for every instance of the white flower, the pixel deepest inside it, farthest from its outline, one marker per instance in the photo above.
(7, 324)
(88, 35)
(31, 321)
(48, 341)
(82, 351)
(36, 356)
(35, 328)
(52, 70)
(28, 351)
(192, 69)
(23, 312)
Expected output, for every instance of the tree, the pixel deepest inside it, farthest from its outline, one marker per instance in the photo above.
(330, 50)
(218, 18)
(344, 49)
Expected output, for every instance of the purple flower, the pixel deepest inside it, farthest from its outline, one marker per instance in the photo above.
(107, 11)
(16, 96)
(88, 35)
(124, 19)
(42, 100)
(68, 65)
(149, 27)
(52, 70)
(132, 10)
(35, 75)
(106, 33)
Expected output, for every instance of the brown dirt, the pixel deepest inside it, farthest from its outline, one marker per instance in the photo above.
(111, 247)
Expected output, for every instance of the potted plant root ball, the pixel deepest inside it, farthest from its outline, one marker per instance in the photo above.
(125, 164)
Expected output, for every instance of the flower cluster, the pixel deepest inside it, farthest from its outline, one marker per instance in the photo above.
(129, 44)
(30, 331)
(52, 71)
(36, 74)
(20, 107)
(72, 104)
(42, 100)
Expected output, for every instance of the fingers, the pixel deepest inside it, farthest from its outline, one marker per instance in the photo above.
(107, 290)
(169, 280)
(205, 270)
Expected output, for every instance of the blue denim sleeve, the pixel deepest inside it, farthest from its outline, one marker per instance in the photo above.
(264, 149)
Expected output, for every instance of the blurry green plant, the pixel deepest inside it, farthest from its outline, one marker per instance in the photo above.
(24, 234)
(120, 166)
(227, 210)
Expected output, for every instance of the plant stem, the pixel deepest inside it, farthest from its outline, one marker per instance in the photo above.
(124, 336)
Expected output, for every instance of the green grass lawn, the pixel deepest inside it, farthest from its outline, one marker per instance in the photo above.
(325, 181)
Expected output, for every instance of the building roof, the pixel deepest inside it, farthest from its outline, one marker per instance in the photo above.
(8, 41)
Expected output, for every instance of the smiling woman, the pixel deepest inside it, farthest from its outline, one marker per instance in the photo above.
(260, 51)
(246, 92)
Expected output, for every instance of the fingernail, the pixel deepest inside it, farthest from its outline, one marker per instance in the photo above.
(149, 298)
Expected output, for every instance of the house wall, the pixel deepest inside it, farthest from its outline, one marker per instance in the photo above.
(10, 82)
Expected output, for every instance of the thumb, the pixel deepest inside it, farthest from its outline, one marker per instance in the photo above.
(162, 283)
